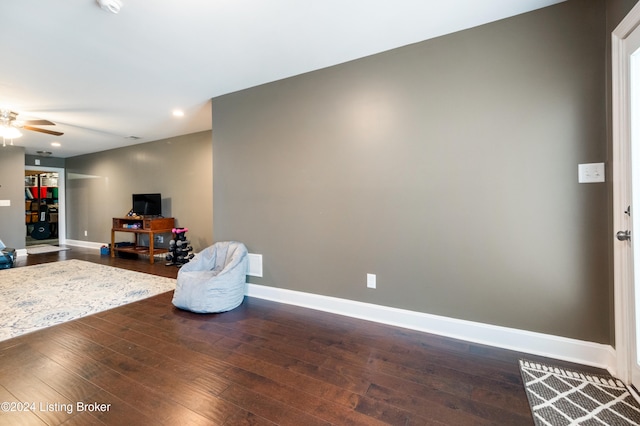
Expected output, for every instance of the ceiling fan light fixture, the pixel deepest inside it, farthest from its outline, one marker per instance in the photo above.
(112, 6)
(9, 132)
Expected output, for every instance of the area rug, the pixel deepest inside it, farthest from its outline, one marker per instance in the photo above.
(44, 248)
(558, 396)
(39, 296)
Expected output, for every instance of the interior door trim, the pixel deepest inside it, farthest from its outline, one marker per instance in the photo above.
(621, 167)
(62, 228)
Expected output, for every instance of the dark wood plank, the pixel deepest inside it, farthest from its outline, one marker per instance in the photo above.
(263, 363)
(16, 412)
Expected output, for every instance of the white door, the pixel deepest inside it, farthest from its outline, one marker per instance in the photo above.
(626, 187)
(632, 213)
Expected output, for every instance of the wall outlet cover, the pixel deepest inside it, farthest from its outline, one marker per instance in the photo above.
(371, 280)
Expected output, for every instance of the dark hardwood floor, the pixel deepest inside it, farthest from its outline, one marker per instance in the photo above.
(263, 363)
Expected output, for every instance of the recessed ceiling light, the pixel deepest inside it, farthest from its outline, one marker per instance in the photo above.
(178, 113)
(56, 144)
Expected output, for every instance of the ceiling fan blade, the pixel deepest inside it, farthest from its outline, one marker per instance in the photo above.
(49, 132)
(38, 123)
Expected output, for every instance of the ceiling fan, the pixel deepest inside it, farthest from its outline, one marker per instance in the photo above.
(8, 120)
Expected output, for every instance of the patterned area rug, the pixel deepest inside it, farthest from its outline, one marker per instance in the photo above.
(44, 248)
(39, 296)
(558, 396)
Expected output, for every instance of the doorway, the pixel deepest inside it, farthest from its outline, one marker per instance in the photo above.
(44, 205)
(626, 159)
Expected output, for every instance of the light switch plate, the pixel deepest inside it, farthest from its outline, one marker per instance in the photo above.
(5, 203)
(591, 173)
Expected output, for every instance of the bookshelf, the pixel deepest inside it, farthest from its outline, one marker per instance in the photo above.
(41, 188)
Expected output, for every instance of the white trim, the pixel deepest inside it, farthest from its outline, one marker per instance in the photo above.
(578, 351)
(98, 246)
(628, 24)
(85, 244)
(621, 125)
(62, 202)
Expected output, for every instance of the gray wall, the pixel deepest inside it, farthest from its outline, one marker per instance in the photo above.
(30, 160)
(448, 168)
(12, 219)
(99, 187)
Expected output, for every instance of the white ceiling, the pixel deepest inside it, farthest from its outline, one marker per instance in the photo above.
(104, 77)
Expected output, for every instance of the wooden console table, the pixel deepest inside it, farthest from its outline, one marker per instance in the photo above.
(146, 226)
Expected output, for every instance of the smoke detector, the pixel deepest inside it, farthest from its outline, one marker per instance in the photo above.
(112, 6)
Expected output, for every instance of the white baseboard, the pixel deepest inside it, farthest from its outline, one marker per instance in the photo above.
(85, 244)
(563, 348)
(98, 246)
(572, 350)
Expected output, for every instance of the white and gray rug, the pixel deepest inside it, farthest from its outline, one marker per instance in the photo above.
(39, 296)
(44, 248)
(558, 396)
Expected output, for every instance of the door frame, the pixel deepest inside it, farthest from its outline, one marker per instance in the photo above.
(621, 177)
(62, 223)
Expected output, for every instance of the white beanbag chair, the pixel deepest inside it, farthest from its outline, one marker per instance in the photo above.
(214, 280)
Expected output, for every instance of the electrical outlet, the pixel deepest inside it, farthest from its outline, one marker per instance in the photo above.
(159, 239)
(371, 280)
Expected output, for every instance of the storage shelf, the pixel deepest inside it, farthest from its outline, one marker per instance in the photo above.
(148, 226)
(140, 250)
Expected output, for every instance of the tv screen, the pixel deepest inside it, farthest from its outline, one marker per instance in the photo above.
(147, 204)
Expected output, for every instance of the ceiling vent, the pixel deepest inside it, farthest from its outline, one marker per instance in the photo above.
(112, 6)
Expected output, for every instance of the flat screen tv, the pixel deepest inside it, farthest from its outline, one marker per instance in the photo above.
(147, 204)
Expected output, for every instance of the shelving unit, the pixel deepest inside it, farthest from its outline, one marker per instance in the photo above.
(41, 188)
(141, 226)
